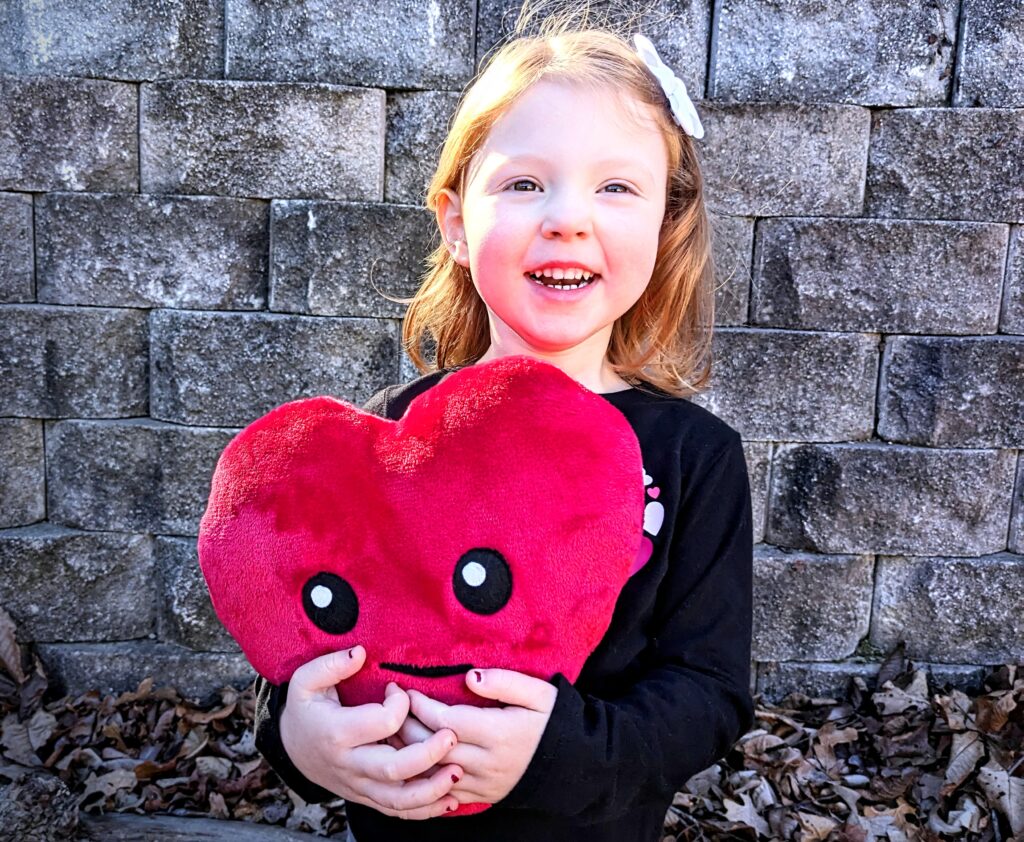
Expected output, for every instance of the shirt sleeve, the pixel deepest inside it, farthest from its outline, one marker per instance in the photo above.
(271, 698)
(690, 707)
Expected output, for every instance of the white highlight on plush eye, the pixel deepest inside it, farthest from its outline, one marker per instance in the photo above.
(321, 596)
(474, 574)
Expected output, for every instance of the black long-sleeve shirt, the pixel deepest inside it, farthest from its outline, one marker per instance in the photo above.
(665, 694)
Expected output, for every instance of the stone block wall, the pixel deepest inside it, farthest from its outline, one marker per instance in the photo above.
(199, 201)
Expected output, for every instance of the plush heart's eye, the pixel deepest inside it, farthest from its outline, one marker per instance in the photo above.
(482, 581)
(330, 603)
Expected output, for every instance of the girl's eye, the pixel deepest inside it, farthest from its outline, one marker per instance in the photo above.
(514, 185)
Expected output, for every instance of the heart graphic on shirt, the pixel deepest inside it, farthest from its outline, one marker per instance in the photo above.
(431, 541)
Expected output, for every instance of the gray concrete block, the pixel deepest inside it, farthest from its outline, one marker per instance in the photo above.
(951, 609)
(958, 392)
(865, 52)
(262, 140)
(22, 472)
(116, 667)
(417, 125)
(829, 680)
(1012, 320)
(113, 39)
(152, 251)
(227, 369)
(784, 160)
(185, 614)
(781, 384)
(732, 243)
(63, 585)
(947, 163)
(330, 259)
(897, 276)
(759, 462)
(17, 275)
(1016, 537)
(68, 134)
(394, 44)
(809, 606)
(883, 498)
(679, 31)
(84, 362)
(991, 55)
(135, 475)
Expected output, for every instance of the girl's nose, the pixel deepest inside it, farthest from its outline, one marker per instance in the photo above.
(567, 216)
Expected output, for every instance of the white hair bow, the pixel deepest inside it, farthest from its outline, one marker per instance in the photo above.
(675, 89)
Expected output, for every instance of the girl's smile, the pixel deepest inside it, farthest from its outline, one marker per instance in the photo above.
(561, 217)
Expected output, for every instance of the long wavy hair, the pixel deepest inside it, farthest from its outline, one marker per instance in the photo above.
(664, 339)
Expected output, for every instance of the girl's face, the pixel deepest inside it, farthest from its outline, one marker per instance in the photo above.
(566, 179)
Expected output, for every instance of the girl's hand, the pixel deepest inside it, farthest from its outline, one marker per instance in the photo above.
(339, 747)
(495, 745)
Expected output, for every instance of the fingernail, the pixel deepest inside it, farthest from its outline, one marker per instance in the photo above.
(455, 779)
(479, 676)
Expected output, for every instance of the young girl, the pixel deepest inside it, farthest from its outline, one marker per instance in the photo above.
(569, 199)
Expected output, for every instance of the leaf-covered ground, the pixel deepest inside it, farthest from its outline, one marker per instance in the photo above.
(905, 762)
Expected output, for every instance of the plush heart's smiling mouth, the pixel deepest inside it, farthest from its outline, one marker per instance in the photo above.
(428, 672)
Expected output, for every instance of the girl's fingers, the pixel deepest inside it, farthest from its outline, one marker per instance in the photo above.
(383, 763)
(415, 796)
(320, 675)
(371, 722)
(414, 731)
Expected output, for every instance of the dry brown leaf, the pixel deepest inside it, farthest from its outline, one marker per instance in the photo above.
(1005, 793)
(10, 651)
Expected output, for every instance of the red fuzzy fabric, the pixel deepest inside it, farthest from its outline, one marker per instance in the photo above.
(512, 456)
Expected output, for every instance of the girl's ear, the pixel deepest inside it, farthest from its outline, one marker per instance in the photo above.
(453, 230)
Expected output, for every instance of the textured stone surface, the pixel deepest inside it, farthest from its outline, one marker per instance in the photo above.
(124, 827)
(951, 609)
(68, 134)
(758, 456)
(225, 369)
(116, 667)
(784, 160)
(16, 250)
(1013, 297)
(947, 163)
(866, 52)
(61, 362)
(776, 680)
(135, 475)
(678, 29)
(328, 257)
(896, 276)
(1016, 542)
(853, 498)
(152, 251)
(22, 474)
(63, 585)
(115, 39)
(185, 614)
(394, 43)
(732, 241)
(417, 123)
(262, 139)
(991, 54)
(809, 606)
(962, 392)
(782, 384)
